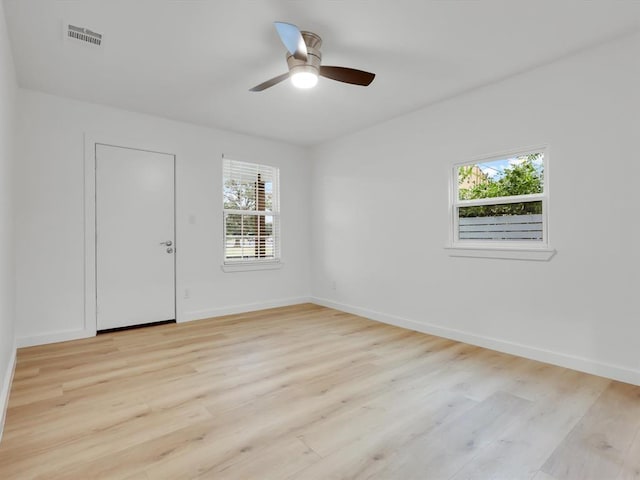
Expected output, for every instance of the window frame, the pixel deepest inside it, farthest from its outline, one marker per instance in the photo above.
(505, 249)
(253, 263)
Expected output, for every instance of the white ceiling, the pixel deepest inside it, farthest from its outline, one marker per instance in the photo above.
(195, 60)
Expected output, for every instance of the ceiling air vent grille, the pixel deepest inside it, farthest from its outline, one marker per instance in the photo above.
(84, 35)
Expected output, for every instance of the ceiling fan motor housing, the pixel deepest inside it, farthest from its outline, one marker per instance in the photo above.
(314, 57)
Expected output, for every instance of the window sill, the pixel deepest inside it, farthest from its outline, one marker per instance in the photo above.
(504, 253)
(250, 267)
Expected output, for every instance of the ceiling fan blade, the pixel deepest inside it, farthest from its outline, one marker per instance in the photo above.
(292, 39)
(347, 75)
(270, 83)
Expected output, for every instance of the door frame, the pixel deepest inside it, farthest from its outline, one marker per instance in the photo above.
(90, 224)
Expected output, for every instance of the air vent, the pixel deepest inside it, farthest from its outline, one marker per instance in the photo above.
(84, 35)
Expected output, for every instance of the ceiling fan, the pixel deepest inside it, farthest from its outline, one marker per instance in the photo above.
(304, 61)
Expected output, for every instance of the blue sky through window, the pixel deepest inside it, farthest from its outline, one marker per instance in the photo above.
(495, 168)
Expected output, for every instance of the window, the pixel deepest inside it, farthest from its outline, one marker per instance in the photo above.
(251, 213)
(501, 202)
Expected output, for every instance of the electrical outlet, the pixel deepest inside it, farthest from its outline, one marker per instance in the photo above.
(187, 293)
(333, 285)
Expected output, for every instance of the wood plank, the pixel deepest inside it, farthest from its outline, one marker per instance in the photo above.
(631, 465)
(366, 455)
(482, 235)
(597, 445)
(535, 218)
(540, 475)
(441, 452)
(506, 227)
(525, 445)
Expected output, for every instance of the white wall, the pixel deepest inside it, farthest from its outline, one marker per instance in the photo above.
(8, 89)
(380, 217)
(49, 214)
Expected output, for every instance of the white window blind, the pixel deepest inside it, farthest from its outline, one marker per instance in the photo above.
(251, 212)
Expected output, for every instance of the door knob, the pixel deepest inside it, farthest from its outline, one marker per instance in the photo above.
(169, 250)
(168, 243)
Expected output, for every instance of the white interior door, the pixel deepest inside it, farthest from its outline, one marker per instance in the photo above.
(135, 244)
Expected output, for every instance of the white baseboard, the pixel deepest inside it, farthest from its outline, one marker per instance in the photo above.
(56, 337)
(7, 380)
(247, 307)
(67, 335)
(573, 362)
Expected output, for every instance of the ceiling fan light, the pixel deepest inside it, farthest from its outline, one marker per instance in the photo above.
(304, 79)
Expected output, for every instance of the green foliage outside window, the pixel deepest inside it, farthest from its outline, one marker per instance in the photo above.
(242, 196)
(523, 177)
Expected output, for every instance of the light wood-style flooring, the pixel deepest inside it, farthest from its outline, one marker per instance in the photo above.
(307, 392)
